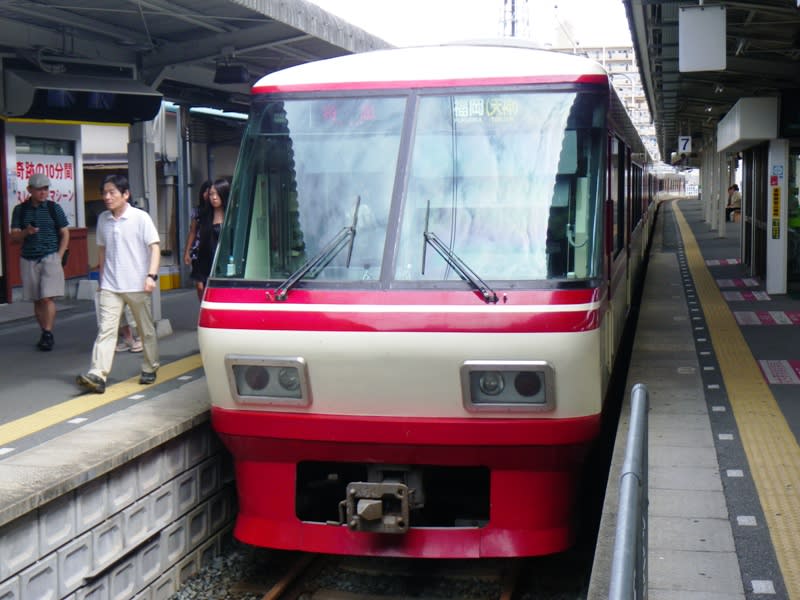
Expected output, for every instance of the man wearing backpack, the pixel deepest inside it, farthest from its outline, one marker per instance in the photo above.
(40, 225)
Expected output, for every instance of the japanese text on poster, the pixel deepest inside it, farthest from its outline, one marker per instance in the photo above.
(61, 172)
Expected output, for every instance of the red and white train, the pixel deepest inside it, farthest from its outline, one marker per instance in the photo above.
(421, 283)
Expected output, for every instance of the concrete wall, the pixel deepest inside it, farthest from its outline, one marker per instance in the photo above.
(128, 507)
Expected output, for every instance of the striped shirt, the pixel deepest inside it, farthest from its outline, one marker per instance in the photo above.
(127, 242)
(47, 239)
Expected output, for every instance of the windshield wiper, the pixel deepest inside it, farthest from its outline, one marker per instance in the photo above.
(323, 258)
(452, 259)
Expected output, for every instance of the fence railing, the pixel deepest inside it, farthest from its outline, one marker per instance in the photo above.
(629, 563)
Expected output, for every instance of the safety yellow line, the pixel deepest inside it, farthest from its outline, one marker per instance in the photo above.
(771, 448)
(10, 432)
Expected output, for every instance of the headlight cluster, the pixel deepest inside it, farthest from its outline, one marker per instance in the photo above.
(268, 380)
(507, 385)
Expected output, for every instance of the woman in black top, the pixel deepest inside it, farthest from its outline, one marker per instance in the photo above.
(193, 240)
(208, 226)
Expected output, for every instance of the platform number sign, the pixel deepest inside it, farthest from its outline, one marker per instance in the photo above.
(776, 213)
(685, 144)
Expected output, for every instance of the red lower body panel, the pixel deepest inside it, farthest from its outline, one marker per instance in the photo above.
(533, 485)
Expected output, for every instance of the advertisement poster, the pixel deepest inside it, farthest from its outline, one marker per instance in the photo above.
(60, 170)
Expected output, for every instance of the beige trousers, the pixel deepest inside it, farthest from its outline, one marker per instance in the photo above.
(110, 306)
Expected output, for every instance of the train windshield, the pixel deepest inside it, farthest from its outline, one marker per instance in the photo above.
(507, 180)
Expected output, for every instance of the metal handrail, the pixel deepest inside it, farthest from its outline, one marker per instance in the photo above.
(629, 563)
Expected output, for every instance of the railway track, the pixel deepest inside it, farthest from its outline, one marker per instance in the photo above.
(277, 575)
(328, 577)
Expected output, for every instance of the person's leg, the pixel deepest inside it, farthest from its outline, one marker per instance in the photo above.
(128, 339)
(51, 286)
(110, 311)
(45, 311)
(125, 338)
(139, 303)
(45, 342)
(29, 271)
(132, 325)
(197, 277)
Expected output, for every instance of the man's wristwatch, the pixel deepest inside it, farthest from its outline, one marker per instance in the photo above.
(153, 276)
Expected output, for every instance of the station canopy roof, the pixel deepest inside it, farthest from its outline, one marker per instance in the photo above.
(762, 40)
(174, 47)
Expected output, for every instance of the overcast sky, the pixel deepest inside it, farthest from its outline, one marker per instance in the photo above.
(561, 22)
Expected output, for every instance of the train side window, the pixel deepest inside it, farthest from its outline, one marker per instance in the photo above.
(615, 187)
(568, 159)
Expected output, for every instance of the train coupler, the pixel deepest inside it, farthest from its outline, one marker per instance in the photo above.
(376, 507)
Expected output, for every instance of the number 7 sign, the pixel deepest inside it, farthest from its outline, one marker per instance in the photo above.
(684, 143)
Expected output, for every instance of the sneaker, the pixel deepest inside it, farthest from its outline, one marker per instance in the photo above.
(134, 345)
(46, 342)
(91, 383)
(147, 377)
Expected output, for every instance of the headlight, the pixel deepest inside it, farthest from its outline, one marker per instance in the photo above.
(507, 385)
(289, 378)
(268, 380)
(491, 383)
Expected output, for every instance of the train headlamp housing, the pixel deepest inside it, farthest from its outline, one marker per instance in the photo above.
(268, 380)
(514, 385)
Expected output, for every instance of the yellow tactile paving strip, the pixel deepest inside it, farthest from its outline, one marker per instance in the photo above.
(772, 451)
(14, 430)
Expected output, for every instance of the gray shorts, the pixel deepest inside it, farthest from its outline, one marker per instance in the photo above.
(42, 278)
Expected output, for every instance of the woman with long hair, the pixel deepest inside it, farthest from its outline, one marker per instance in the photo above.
(208, 226)
(193, 239)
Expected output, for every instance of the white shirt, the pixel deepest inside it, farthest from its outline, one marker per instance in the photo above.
(127, 243)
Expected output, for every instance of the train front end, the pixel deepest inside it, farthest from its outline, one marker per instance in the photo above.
(403, 335)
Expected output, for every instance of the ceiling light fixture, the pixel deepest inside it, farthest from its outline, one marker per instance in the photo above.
(229, 71)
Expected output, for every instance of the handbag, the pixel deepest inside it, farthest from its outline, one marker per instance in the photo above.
(65, 258)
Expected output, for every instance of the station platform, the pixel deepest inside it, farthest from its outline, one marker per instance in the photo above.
(39, 395)
(125, 494)
(721, 363)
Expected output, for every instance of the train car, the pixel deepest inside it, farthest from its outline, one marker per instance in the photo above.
(419, 290)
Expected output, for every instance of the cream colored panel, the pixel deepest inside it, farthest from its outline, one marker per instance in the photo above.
(409, 374)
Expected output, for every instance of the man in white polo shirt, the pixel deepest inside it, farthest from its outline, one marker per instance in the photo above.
(129, 254)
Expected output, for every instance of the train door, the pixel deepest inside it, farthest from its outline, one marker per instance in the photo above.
(616, 232)
(754, 201)
(4, 216)
(629, 224)
(793, 229)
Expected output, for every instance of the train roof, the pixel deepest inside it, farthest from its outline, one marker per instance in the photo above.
(465, 62)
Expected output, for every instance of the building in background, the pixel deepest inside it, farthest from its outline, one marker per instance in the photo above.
(554, 30)
(620, 62)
